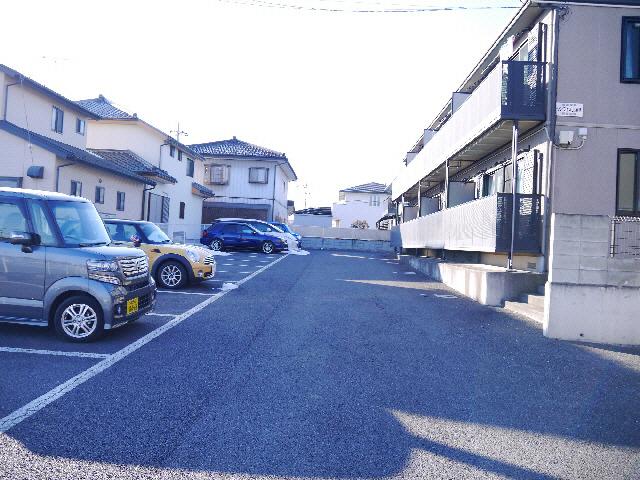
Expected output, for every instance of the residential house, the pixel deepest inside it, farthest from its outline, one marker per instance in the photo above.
(43, 139)
(250, 181)
(541, 139)
(367, 202)
(176, 200)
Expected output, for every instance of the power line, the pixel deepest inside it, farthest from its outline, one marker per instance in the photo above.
(411, 8)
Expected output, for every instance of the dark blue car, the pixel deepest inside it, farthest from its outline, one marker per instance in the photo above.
(235, 235)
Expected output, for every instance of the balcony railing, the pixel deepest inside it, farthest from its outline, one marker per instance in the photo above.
(482, 225)
(625, 237)
(513, 90)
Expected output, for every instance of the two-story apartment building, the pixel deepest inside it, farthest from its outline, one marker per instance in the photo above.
(43, 140)
(534, 164)
(176, 200)
(365, 203)
(250, 181)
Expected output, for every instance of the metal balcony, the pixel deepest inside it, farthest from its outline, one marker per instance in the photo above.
(513, 90)
(482, 225)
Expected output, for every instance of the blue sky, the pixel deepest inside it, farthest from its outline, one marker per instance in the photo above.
(344, 95)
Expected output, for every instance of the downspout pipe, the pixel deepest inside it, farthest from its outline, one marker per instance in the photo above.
(144, 191)
(58, 174)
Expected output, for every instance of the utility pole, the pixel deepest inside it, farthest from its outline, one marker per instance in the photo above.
(306, 187)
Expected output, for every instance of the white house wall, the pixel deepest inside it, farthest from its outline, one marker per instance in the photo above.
(356, 207)
(239, 190)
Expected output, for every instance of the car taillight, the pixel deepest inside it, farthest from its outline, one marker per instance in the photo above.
(204, 233)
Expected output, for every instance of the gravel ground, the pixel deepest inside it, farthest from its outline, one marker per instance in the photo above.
(341, 366)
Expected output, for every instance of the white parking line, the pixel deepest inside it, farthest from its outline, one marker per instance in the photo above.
(183, 293)
(444, 296)
(54, 352)
(52, 395)
(160, 314)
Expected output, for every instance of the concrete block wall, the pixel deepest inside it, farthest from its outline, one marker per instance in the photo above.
(350, 244)
(590, 296)
(580, 253)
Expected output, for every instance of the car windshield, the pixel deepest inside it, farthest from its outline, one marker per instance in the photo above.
(283, 227)
(79, 223)
(154, 234)
(265, 227)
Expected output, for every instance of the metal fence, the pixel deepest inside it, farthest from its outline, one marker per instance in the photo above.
(482, 225)
(523, 90)
(625, 237)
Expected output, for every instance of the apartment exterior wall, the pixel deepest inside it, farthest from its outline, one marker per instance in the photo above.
(589, 73)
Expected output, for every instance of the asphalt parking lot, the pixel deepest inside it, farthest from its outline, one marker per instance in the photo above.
(45, 359)
(332, 365)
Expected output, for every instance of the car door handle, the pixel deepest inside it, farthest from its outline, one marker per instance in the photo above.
(156, 250)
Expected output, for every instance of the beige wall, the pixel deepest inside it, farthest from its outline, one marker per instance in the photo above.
(16, 156)
(91, 178)
(149, 143)
(32, 110)
(589, 73)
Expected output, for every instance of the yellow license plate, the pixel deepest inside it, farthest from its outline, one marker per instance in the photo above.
(132, 306)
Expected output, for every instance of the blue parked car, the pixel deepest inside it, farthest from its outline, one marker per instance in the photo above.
(236, 235)
(286, 229)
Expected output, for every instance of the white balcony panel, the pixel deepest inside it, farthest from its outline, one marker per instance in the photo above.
(476, 115)
(424, 232)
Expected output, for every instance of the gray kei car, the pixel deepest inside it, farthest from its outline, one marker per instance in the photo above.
(58, 269)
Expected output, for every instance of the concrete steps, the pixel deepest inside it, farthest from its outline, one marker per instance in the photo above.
(530, 306)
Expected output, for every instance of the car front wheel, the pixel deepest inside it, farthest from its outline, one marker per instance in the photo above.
(172, 275)
(267, 247)
(79, 319)
(216, 245)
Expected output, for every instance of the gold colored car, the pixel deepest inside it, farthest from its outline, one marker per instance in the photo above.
(173, 265)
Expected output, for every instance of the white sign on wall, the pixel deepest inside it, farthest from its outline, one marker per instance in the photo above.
(570, 110)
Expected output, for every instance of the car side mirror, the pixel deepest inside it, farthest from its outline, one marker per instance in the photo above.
(137, 243)
(26, 239)
(22, 238)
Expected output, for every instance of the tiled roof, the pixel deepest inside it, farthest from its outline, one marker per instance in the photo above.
(72, 153)
(203, 190)
(235, 148)
(371, 187)
(102, 108)
(46, 90)
(134, 163)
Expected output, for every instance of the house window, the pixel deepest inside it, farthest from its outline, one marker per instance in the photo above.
(628, 191)
(11, 182)
(99, 195)
(374, 201)
(219, 174)
(81, 126)
(342, 196)
(57, 120)
(190, 167)
(630, 61)
(258, 175)
(179, 156)
(172, 150)
(158, 208)
(76, 188)
(120, 201)
(182, 207)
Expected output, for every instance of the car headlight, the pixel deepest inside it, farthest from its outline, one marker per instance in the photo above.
(193, 256)
(103, 271)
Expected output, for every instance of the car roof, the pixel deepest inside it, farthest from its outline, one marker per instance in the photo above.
(119, 220)
(39, 195)
(241, 220)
